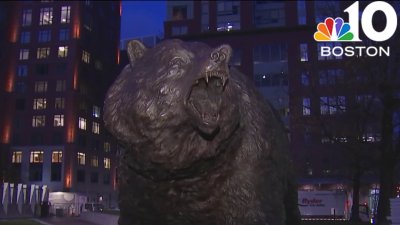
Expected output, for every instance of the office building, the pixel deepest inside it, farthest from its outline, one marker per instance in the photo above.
(61, 58)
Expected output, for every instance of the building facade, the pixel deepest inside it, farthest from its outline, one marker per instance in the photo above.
(273, 44)
(62, 57)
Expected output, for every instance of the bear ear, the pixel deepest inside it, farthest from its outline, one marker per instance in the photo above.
(221, 54)
(135, 50)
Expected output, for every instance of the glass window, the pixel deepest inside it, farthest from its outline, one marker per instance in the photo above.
(64, 35)
(80, 176)
(96, 128)
(96, 111)
(56, 172)
(39, 103)
(82, 123)
(301, 12)
(323, 9)
(42, 69)
(24, 54)
(205, 17)
(56, 157)
(94, 161)
(58, 120)
(228, 15)
(61, 85)
(62, 51)
(85, 56)
(332, 105)
(26, 17)
(303, 52)
(107, 147)
(65, 14)
(179, 30)
(107, 163)
(43, 53)
(40, 86)
(306, 106)
(44, 36)
(305, 78)
(236, 58)
(46, 16)
(36, 157)
(269, 13)
(59, 103)
(20, 87)
(94, 177)
(16, 157)
(81, 158)
(25, 37)
(39, 121)
(22, 70)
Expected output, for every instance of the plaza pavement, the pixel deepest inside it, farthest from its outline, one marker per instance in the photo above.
(63, 221)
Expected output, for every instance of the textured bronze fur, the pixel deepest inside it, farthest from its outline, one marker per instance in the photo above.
(201, 146)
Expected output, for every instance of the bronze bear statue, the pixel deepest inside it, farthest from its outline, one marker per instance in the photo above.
(200, 144)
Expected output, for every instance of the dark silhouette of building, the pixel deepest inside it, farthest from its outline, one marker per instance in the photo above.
(61, 58)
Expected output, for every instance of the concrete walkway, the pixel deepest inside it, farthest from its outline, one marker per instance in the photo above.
(63, 221)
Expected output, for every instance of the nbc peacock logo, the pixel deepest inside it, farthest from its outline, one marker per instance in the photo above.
(336, 30)
(333, 30)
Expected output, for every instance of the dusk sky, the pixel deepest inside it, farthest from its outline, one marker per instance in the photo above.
(142, 18)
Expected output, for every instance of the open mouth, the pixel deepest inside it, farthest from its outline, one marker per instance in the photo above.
(205, 100)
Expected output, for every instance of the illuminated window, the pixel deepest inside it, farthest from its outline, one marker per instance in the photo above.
(107, 163)
(38, 121)
(24, 54)
(65, 14)
(22, 70)
(96, 128)
(85, 56)
(59, 103)
(306, 106)
(58, 120)
(40, 86)
(26, 17)
(82, 123)
(107, 147)
(36, 157)
(94, 161)
(39, 103)
(81, 158)
(96, 111)
(16, 157)
(62, 51)
(25, 37)
(43, 53)
(56, 157)
(61, 85)
(44, 36)
(46, 16)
